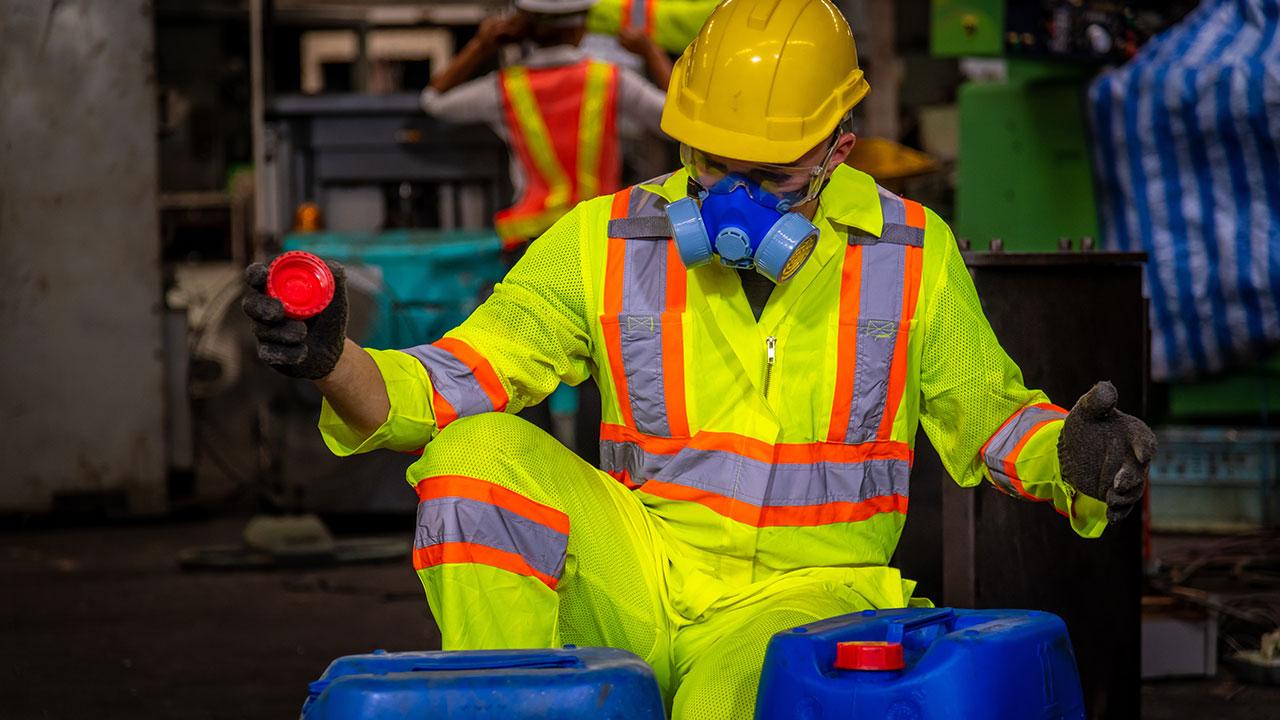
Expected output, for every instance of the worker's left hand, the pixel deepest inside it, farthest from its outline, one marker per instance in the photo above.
(1104, 453)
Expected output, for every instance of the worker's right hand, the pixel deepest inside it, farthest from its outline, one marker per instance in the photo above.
(498, 30)
(307, 349)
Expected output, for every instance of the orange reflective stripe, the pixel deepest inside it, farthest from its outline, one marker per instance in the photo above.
(464, 552)
(833, 512)
(480, 368)
(673, 343)
(460, 486)
(1011, 461)
(615, 264)
(748, 447)
(913, 212)
(846, 342)
(624, 477)
(913, 267)
(776, 515)
(445, 413)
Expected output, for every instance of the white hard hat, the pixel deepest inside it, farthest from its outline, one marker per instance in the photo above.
(554, 7)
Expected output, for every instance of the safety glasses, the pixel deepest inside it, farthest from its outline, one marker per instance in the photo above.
(772, 185)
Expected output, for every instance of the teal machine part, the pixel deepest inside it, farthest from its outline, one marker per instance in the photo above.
(424, 282)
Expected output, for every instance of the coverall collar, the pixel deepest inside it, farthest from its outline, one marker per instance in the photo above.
(850, 199)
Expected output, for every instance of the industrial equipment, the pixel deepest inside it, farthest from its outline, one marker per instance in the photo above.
(1024, 171)
(979, 548)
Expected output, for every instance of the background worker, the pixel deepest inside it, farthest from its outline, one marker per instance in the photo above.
(756, 445)
(558, 111)
(671, 23)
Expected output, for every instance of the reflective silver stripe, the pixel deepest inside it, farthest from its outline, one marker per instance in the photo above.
(879, 317)
(879, 314)
(644, 288)
(759, 483)
(895, 230)
(453, 380)
(644, 203)
(454, 519)
(617, 456)
(639, 11)
(640, 324)
(1006, 439)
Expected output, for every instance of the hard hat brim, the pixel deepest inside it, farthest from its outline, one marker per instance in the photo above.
(777, 144)
(555, 7)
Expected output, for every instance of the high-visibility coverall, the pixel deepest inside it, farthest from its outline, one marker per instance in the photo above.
(755, 474)
(563, 126)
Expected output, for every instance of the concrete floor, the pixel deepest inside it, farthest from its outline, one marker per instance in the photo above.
(100, 622)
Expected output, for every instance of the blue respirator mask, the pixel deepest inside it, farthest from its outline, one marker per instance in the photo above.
(744, 214)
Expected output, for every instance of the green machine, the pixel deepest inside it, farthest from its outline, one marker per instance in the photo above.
(1024, 171)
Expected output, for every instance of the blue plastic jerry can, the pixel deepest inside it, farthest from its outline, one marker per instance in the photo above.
(572, 683)
(923, 664)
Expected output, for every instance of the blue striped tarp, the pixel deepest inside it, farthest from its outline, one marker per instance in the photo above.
(1185, 142)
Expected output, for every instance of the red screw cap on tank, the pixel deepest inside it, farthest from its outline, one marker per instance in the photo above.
(869, 655)
(301, 282)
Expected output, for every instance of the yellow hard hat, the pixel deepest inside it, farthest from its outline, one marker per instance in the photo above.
(764, 80)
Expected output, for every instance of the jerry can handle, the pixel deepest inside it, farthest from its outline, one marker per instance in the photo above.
(511, 662)
(900, 628)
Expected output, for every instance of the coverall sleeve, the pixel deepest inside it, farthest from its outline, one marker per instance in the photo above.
(980, 417)
(524, 340)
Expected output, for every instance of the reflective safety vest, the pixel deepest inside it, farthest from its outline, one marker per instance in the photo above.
(562, 121)
(760, 447)
(672, 24)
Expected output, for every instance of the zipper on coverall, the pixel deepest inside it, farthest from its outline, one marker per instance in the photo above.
(770, 358)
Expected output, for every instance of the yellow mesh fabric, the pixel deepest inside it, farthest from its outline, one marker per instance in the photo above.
(723, 683)
(968, 383)
(534, 327)
(720, 659)
(969, 386)
(608, 594)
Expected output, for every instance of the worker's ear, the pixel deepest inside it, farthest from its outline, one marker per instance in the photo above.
(844, 146)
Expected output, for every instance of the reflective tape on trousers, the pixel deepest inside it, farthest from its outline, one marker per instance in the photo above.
(455, 519)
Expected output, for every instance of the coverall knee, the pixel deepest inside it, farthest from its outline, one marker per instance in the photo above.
(521, 544)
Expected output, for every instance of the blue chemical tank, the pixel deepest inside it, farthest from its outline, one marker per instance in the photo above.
(571, 683)
(923, 664)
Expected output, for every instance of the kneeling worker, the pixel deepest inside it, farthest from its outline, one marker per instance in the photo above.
(768, 328)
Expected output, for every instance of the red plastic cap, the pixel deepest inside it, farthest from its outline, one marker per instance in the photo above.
(301, 282)
(869, 655)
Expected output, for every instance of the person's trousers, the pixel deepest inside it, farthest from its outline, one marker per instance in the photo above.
(521, 544)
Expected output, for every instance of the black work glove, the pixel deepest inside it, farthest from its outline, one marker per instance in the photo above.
(307, 349)
(1105, 453)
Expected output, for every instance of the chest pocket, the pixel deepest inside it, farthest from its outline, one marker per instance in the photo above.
(642, 318)
(879, 291)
